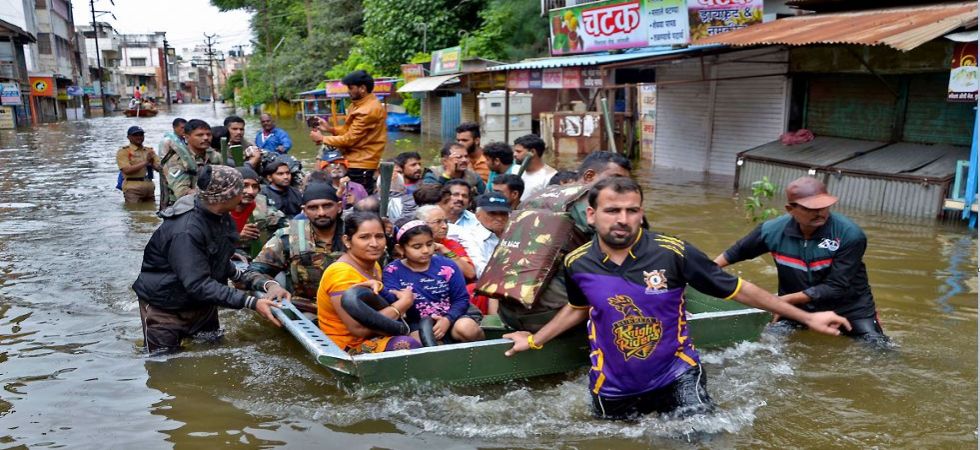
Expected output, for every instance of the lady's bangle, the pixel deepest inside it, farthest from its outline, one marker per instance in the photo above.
(530, 343)
(265, 286)
(396, 310)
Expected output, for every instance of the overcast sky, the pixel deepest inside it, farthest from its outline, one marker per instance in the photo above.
(185, 21)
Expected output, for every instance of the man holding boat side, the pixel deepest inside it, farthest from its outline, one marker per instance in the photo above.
(629, 283)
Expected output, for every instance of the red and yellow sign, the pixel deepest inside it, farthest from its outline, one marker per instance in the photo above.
(42, 86)
(412, 72)
(382, 88)
(963, 74)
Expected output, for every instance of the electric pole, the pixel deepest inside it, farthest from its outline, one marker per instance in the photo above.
(98, 60)
(209, 41)
(166, 69)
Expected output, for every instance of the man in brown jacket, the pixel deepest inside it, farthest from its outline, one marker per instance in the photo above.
(363, 136)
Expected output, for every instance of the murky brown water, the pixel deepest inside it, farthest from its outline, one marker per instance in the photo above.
(72, 377)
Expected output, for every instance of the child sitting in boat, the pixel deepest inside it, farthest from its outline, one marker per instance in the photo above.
(353, 308)
(442, 302)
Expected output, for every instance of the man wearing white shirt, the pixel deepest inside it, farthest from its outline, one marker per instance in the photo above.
(538, 174)
(492, 212)
(456, 200)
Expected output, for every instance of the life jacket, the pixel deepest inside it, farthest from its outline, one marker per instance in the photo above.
(522, 271)
(307, 262)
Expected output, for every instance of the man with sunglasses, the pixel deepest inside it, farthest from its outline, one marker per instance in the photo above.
(819, 258)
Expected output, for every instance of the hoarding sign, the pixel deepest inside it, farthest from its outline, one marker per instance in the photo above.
(518, 79)
(338, 89)
(599, 26)
(42, 86)
(10, 93)
(446, 61)
(963, 73)
(89, 90)
(711, 17)
(551, 79)
(75, 91)
(571, 78)
(666, 22)
(591, 78)
(411, 72)
(7, 120)
(535, 80)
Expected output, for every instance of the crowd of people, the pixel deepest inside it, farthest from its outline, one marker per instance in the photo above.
(452, 243)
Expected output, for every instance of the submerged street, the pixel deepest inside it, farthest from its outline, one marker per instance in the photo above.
(72, 374)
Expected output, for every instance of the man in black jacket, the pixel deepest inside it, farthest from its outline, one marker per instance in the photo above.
(279, 189)
(187, 265)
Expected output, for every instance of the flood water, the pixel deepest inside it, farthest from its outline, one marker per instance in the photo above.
(72, 375)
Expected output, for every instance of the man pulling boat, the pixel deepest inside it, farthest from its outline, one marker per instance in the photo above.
(629, 283)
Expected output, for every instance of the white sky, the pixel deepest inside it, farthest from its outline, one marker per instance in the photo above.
(185, 21)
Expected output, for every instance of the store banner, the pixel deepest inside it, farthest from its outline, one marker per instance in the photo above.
(571, 78)
(535, 79)
(666, 22)
(591, 78)
(551, 79)
(711, 17)
(75, 91)
(599, 26)
(412, 72)
(518, 79)
(447, 61)
(7, 119)
(42, 86)
(10, 93)
(963, 73)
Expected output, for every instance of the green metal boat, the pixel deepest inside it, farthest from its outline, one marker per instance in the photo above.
(711, 322)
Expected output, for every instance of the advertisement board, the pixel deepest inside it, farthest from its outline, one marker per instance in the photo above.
(10, 93)
(42, 86)
(666, 22)
(446, 61)
(963, 73)
(711, 17)
(599, 26)
(411, 72)
(7, 119)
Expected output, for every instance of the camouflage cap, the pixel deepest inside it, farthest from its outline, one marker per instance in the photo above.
(225, 183)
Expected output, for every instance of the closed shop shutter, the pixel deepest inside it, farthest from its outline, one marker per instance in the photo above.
(451, 114)
(469, 111)
(851, 106)
(749, 112)
(930, 119)
(702, 126)
(682, 118)
(432, 112)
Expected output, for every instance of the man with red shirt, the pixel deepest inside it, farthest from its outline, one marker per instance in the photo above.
(255, 218)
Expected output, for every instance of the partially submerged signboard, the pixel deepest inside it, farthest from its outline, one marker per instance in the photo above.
(622, 24)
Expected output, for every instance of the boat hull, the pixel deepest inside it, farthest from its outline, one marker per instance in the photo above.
(711, 323)
(140, 113)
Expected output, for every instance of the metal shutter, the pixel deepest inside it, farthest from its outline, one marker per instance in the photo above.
(682, 117)
(851, 106)
(930, 119)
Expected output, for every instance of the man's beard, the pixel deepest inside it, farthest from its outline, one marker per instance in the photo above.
(416, 177)
(617, 242)
(247, 200)
(323, 223)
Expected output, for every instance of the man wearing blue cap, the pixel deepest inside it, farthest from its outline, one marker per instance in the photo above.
(492, 213)
(133, 161)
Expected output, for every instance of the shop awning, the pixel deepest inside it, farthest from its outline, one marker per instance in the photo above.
(595, 59)
(900, 28)
(428, 84)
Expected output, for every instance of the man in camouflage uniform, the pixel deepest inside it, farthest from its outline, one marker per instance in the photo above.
(256, 216)
(305, 248)
(133, 161)
(184, 164)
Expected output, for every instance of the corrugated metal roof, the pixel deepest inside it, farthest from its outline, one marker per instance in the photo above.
(427, 84)
(596, 59)
(904, 158)
(900, 28)
(822, 151)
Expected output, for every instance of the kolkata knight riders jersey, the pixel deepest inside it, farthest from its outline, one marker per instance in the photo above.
(637, 328)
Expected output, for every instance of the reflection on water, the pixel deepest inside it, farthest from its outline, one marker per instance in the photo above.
(71, 375)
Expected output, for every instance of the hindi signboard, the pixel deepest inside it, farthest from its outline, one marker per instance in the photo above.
(10, 93)
(42, 86)
(666, 22)
(599, 26)
(447, 61)
(412, 72)
(963, 73)
(711, 17)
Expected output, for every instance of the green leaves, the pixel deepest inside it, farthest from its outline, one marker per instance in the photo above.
(757, 205)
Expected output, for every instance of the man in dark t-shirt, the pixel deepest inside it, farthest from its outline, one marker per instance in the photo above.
(629, 283)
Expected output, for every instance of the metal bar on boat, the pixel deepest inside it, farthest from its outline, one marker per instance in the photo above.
(308, 334)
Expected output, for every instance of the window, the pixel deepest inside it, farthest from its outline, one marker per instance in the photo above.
(137, 62)
(44, 43)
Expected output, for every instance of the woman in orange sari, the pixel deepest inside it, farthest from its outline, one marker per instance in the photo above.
(353, 308)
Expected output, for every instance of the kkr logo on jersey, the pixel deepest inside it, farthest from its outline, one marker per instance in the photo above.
(656, 281)
(636, 335)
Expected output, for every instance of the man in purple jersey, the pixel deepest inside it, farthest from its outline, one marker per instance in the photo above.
(629, 283)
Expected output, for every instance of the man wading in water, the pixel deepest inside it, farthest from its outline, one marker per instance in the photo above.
(186, 266)
(630, 284)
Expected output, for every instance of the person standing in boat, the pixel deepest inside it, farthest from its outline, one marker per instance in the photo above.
(303, 250)
(364, 135)
(353, 307)
(629, 283)
(819, 258)
(186, 266)
(135, 161)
